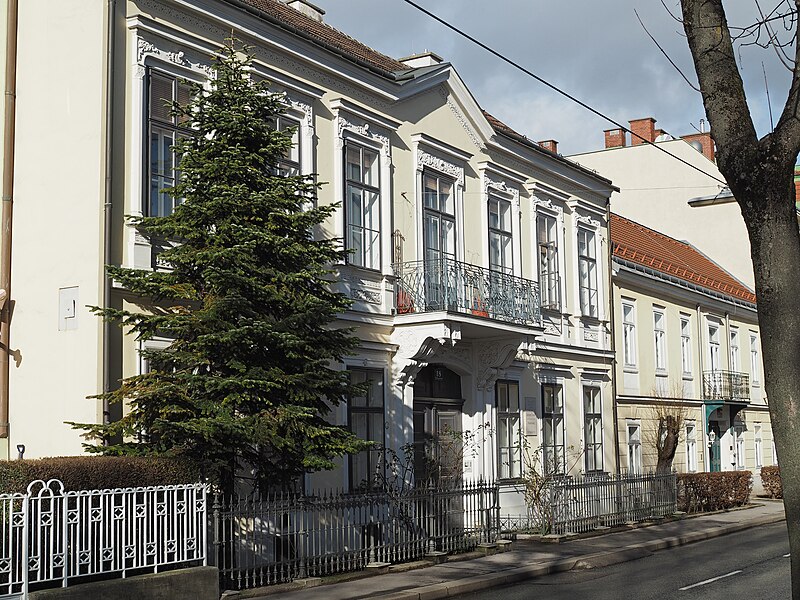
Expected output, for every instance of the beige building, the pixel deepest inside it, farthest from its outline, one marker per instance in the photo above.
(479, 265)
(687, 343)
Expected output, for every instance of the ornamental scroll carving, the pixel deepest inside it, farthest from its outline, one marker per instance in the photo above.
(145, 48)
(434, 162)
(588, 221)
(501, 186)
(364, 130)
(547, 204)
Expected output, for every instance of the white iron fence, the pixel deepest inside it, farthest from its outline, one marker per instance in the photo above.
(51, 537)
(585, 503)
(287, 536)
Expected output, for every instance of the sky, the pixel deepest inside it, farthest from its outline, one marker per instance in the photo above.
(594, 49)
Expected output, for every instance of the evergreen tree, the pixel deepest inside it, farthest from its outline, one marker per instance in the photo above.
(250, 375)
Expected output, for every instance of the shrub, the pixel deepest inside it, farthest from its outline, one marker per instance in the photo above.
(702, 492)
(96, 472)
(771, 480)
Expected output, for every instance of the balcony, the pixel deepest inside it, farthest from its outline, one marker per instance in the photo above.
(453, 286)
(726, 386)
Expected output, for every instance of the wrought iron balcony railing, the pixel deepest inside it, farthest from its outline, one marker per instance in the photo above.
(726, 385)
(427, 286)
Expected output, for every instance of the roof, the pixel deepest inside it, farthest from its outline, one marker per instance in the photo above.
(647, 247)
(321, 33)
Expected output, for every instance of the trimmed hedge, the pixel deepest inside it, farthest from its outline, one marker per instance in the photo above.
(703, 492)
(96, 472)
(771, 480)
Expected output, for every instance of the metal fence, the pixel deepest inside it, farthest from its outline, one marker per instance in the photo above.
(51, 537)
(586, 503)
(282, 537)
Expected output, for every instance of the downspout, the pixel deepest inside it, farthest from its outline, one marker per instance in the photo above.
(703, 415)
(107, 206)
(613, 336)
(8, 208)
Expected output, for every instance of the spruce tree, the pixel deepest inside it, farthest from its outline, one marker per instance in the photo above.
(246, 298)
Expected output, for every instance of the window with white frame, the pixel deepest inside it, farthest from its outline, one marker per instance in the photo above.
(366, 420)
(553, 447)
(713, 346)
(686, 346)
(289, 163)
(739, 435)
(734, 349)
(660, 338)
(549, 276)
(164, 130)
(592, 429)
(634, 447)
(755, 361)
(587, 272)
(362, 191)
(509, 430)
(629, 333)
(691, 446)
(759, 444)
(500, 240)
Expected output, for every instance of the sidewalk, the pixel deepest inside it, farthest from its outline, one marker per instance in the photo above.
(528, 559)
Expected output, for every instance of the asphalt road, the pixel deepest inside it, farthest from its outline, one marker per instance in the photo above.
(750, 565)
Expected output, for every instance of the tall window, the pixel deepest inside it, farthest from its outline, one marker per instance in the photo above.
(755, 362)
(592, 429)
(686, 346)
(439, 217)
(164, 130)
(734, 349)
(587, 266)
(629, 333)
(289, 164)
(509, 432)
(660, 338)
(553, 425)
(713, 346)
(691, 446)
(500, 245)
(759, 445)
(634, 448)
(549, 279)
(366, 421)
(740, 456)
(363, 206)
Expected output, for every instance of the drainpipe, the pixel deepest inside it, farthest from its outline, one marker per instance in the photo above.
(703, 418)
(107, 212)
(612, 325)
(6, 217)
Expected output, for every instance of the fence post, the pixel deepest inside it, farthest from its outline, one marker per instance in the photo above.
(26, 517)
(301, 545)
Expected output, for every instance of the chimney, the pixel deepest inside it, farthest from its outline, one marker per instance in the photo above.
(615, 138)
(308, 9)
(425, 59)
(704, 141)
(643, 128)
(551, 145)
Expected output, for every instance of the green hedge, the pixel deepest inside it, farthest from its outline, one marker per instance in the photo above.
(771, 480)
(96, 472)
(702, 492)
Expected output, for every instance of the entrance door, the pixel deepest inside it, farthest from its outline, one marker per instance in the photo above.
(714, 452)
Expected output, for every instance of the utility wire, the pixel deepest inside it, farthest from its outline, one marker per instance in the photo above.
(556, 88)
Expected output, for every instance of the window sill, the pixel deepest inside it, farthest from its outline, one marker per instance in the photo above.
(662, 373)
(630, 369)
(688, 377)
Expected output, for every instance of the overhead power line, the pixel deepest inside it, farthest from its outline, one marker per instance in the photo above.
(556, 89)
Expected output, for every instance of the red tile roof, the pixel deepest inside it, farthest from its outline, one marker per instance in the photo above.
(321, 33)
(639, 244)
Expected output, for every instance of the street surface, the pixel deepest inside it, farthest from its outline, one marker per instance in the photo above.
(749, 565)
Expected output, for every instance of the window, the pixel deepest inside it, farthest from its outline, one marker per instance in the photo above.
(686, 346)
(164, 130)
(629, 334)
(553, 426)
(549, 278)
(587, 267)
(634, 448)
(691, 447)
(509, 432)
(289, 164)
(734, 349)
(592, 429)
(739, 433)
(755, 362)
(500, 245)
(362, 206)
(366, 421)
(759, 445)
(439, 217)
(713, 346)
(660, 338)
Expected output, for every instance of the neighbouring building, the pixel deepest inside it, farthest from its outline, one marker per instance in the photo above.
(687, 343)
(480, 259)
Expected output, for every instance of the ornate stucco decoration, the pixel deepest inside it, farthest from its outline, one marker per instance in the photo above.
(493, 359)
(462, 120)
(542, 201)
(425, 159)
(303, 107)
(363, 129)
(588, 221)
(145, 48)
(489, 183)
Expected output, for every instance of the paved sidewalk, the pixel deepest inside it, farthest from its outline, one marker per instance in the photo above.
(529, 558)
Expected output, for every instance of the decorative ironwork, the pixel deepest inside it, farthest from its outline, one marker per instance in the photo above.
(726, 385)
(450, 285)
(64, 535)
